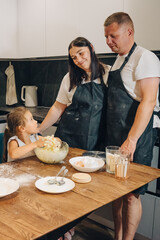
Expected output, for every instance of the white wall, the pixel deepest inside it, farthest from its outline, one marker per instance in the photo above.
(41, 28)
(146, 17)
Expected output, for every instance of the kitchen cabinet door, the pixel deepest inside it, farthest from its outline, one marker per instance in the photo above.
(8, 26)
(146, 224)
(145, 15)
(31, 28)
(68, 19)
(156, 226)
(153, 185)
(103, 216)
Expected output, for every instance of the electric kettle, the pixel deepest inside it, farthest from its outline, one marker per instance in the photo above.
(29, 95)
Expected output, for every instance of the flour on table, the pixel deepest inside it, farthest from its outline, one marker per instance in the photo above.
(25, 179)
(6, 171)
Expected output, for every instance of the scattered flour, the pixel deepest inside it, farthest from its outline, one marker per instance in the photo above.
(25, 179)
(6, 170)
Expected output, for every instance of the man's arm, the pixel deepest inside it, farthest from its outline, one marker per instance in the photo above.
(149, 89)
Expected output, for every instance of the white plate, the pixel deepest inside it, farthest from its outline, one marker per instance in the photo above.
(91, 164)
(8, 186)
(43, 185)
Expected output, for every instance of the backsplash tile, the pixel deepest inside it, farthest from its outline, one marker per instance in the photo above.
(46, 74)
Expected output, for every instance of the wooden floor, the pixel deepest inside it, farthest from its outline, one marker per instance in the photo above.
(90, 230)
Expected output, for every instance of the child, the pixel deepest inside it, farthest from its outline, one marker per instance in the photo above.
(21, 137)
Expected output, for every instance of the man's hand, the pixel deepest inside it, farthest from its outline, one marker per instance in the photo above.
(129, 147)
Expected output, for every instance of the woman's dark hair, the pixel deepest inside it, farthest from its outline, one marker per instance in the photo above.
(15, 119)
(77, 74)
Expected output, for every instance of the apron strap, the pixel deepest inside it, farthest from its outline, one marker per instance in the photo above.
(128, 56)
(102, 83)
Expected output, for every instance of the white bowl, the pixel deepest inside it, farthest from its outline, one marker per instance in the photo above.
(48, 156)
(90, 164)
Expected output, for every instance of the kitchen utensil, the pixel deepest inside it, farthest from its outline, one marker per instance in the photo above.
(86, 163)
(30, 97)
(42, 184)
(61, 182)
(97, 154)
(52, 157)
(54, 180)
(8, 186)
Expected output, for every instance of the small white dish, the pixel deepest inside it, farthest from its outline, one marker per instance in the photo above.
(43, 185)
(8, 186)
(86, 163)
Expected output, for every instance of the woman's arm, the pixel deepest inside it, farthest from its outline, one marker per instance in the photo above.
(52, 116)
(16, 152)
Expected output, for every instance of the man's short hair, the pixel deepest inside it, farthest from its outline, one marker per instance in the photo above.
(120, 18)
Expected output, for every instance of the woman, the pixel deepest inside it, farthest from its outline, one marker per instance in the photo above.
(81, 99)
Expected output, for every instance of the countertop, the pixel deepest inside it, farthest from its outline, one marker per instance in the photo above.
(38, 113)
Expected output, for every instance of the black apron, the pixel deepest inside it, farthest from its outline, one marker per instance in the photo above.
(82, 124)
(121, 111)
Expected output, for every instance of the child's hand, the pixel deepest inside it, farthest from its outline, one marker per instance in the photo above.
(40, 142)
(58, 139)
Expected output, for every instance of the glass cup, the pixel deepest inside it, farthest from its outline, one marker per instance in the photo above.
(112, 153)
(122, 166)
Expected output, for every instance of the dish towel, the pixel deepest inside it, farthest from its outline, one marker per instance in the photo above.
(11, 96)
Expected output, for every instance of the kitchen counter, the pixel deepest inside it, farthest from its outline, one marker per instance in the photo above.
(38, 113)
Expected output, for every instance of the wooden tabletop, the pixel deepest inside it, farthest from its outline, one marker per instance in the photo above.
(30, 213)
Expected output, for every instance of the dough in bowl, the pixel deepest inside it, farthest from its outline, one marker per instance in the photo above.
(54, 150)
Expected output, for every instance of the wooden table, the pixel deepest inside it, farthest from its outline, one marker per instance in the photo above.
(30, 213)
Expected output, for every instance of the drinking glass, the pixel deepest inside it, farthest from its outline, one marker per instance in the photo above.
(112, 153)
(122, 166)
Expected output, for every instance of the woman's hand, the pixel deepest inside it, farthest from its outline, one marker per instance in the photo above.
(53, 115)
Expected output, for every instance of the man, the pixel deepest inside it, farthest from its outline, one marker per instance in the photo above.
(132, 98)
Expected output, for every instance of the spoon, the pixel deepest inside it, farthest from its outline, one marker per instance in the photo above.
(61, 182)
(54, 180)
